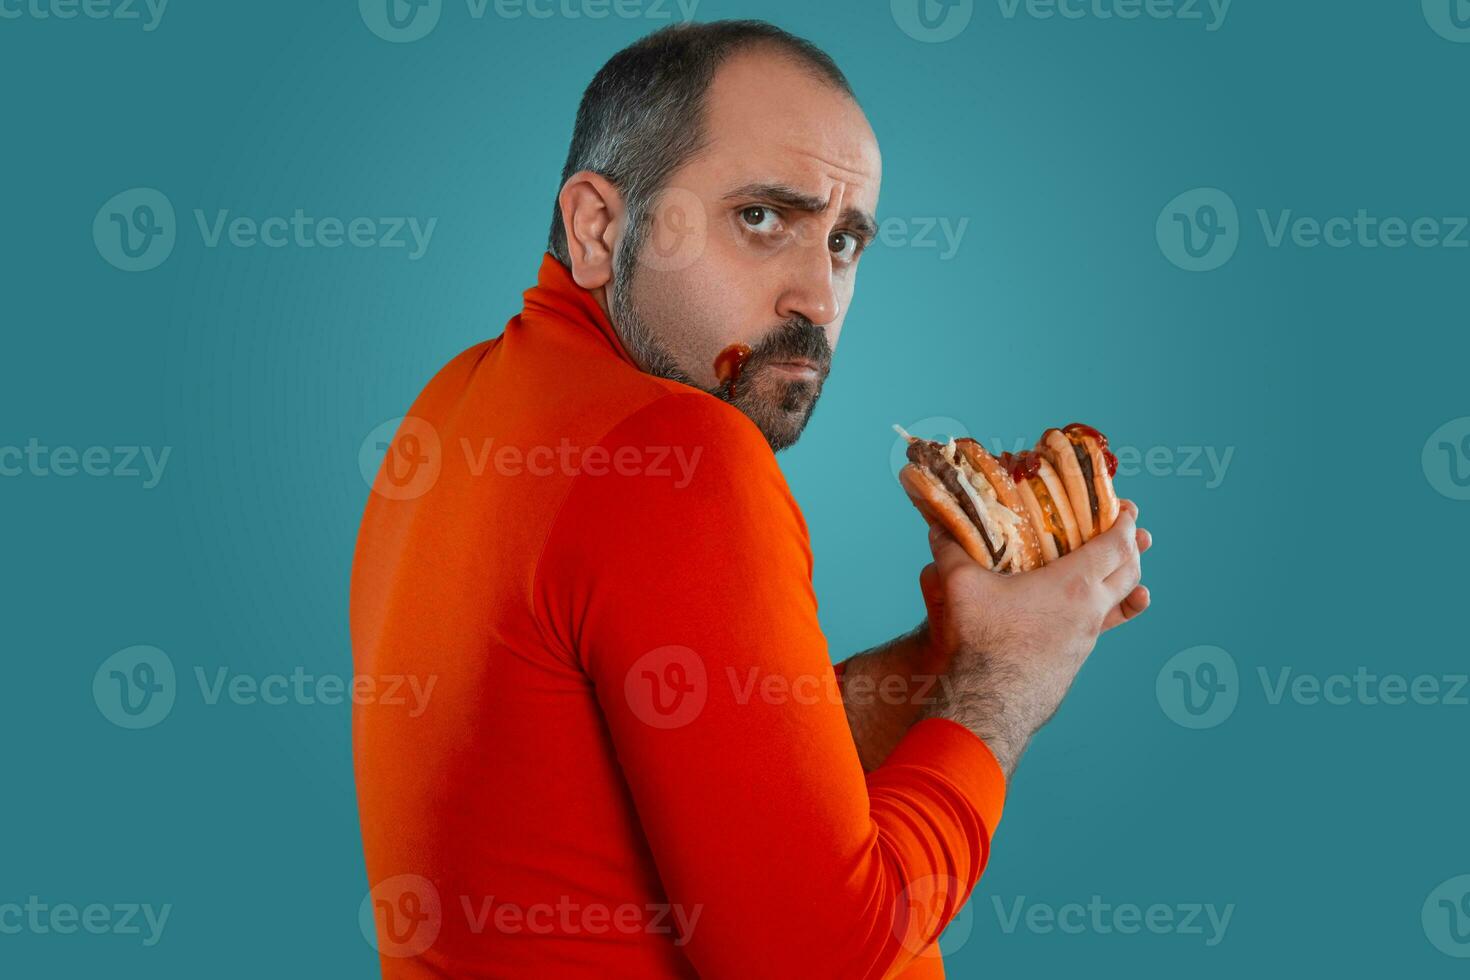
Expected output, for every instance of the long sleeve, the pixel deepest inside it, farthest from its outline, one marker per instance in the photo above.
(682, 585)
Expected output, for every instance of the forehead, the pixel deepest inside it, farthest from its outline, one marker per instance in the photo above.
(768, 118)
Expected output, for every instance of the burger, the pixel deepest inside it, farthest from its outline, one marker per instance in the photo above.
(1022, 510)
(961, 486)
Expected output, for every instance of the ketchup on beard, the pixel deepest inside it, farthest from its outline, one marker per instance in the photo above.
(728, 365)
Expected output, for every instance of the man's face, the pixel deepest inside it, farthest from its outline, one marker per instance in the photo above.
(755, 242)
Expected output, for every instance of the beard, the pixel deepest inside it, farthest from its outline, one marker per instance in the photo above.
(779, 405)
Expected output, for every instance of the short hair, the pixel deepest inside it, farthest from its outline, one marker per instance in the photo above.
(642, 116)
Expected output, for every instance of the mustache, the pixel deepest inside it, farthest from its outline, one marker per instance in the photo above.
(796, 339)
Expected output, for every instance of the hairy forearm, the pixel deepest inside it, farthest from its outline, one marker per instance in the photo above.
(885, 689)
(986, 698)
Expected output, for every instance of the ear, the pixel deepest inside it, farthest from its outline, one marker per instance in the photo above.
(592, 213)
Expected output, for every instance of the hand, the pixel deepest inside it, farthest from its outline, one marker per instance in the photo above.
(1016, 642)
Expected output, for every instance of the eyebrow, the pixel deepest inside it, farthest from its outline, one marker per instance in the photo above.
(792, 199)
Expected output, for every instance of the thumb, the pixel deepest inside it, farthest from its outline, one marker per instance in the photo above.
(931, 585)
(949, 554)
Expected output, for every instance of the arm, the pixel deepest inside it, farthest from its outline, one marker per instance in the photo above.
(691, 610)
(886, 688)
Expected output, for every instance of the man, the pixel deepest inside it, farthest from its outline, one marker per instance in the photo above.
(637, 760)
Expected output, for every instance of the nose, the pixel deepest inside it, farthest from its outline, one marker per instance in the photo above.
(809, 289)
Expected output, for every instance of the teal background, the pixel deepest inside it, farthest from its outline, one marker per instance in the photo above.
(1324, 548)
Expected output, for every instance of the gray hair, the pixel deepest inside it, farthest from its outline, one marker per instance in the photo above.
(642, 116)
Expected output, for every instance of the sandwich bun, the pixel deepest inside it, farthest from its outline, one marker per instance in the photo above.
(1057, 449)
(938, 506)
(1104, 465)
(1025, 539)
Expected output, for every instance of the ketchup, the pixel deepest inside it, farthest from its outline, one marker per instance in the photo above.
(728, 365)
(1021, 466)
(1102, 442)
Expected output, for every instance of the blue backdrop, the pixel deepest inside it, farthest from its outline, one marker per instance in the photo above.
(1233, 236)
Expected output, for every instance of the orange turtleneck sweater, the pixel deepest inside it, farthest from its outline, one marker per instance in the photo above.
(633, 761)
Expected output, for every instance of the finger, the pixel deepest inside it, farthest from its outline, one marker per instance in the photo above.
(1122, 580)
(1145, 540)
(929, 583)
(1128, 505)
(1107, 552)
(948, 553)
(931, 587)
(1135, 603)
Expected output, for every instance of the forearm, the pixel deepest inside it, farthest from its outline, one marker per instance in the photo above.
(995, 703)
(885, 689)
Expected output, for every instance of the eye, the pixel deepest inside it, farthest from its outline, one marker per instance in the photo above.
(758, 218)
(844, 245)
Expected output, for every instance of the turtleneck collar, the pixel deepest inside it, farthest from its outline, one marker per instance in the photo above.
(556, 296)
